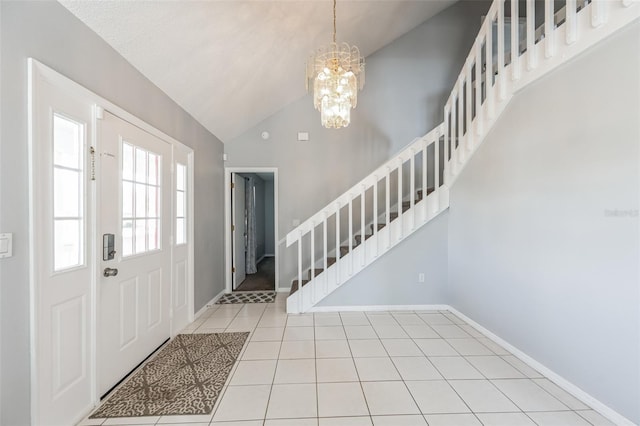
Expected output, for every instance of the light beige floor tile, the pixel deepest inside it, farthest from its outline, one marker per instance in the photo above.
(522, 367)
(292, 401)
(416, 368)
(529, 396)
(354, 318)
(469, 346)
(261, 350)
(495, 348)
(407, 420)
(267, 334)
(389, 398)
(408, 319)
(341, 399)
(247, 423)
(360, 332)
(376, 369)
(367, 348)
(436, 397)
(298, 333)
(345, 421)
(451, 331)
(295, 371)
(390, 332)
(494, 367)
(455, 367)
(435, 319)
(564, 397)
(297, 349)
(595, 418)
(333, 349)
(452, 420)
(505, 419)
(401, 347)
(482, 396)
(326, 319)
(254, 373)
(336, 370)
(290, 422)
(566, 418)
(335, 332)
(420, 332)
(234, 406)
(303, 320)
(435, 347)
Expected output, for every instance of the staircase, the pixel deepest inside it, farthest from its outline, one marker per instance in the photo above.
(412, 187)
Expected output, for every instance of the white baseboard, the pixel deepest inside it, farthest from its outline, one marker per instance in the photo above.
(283, 289)
(574, 390)
(377, 308)
(260, 259)
(208, 305)
(269, 255)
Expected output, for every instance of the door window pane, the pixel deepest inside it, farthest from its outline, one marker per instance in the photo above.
(181, 203)
(141, 188)
(67, 243)
(67, 136)
(68, 193)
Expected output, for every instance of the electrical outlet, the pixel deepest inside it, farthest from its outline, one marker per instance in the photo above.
(421, 277)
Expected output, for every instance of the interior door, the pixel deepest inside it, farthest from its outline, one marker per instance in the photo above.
(61, 219)
(135, 270)
(239, 234)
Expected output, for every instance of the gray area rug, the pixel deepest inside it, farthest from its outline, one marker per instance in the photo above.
(184, 378)
(248, 297)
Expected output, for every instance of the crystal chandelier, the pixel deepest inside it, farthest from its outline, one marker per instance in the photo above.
(336, 72)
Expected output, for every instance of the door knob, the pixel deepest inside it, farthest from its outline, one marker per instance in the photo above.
(110, 272)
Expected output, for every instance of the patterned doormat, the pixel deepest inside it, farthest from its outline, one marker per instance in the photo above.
(184, 378)
(248, 297)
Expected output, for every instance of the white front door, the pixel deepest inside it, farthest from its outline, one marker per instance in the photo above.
(181, 255)
(238, 227)
(134, 285)
(62, 267)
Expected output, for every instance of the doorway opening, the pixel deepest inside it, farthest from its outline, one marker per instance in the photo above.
(252, 230)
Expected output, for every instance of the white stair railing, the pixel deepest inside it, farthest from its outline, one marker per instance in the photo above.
(486, 83)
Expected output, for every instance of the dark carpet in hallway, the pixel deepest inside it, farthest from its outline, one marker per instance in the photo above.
(264, 279)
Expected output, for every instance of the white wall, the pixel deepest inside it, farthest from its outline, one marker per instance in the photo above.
(535, 253)
(48, 32)
(407, 83)
(393, 279)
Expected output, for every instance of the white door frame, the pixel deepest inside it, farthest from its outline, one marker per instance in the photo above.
(37, 71)
(228, 275)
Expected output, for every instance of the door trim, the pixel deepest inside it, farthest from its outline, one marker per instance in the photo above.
(228, 276)
(36, 73)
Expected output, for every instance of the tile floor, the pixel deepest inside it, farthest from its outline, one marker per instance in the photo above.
(374, 369)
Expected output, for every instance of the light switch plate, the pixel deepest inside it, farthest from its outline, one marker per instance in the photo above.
(303, 136)
(6, 245)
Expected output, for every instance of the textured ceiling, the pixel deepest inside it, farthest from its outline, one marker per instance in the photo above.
(231, 64)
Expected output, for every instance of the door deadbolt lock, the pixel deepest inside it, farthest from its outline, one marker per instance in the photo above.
(108, 247)
(110, 272)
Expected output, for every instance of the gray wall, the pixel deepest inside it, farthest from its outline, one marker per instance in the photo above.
(407, 83)
(393, 279)
(269, 219)
(537, 252)
(49, 33)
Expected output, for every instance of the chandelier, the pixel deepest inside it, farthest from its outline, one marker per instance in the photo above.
(336, 72)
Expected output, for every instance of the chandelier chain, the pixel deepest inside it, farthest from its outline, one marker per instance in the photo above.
(334, 21)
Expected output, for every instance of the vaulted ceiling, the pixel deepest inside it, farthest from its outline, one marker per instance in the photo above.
(232, 63)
